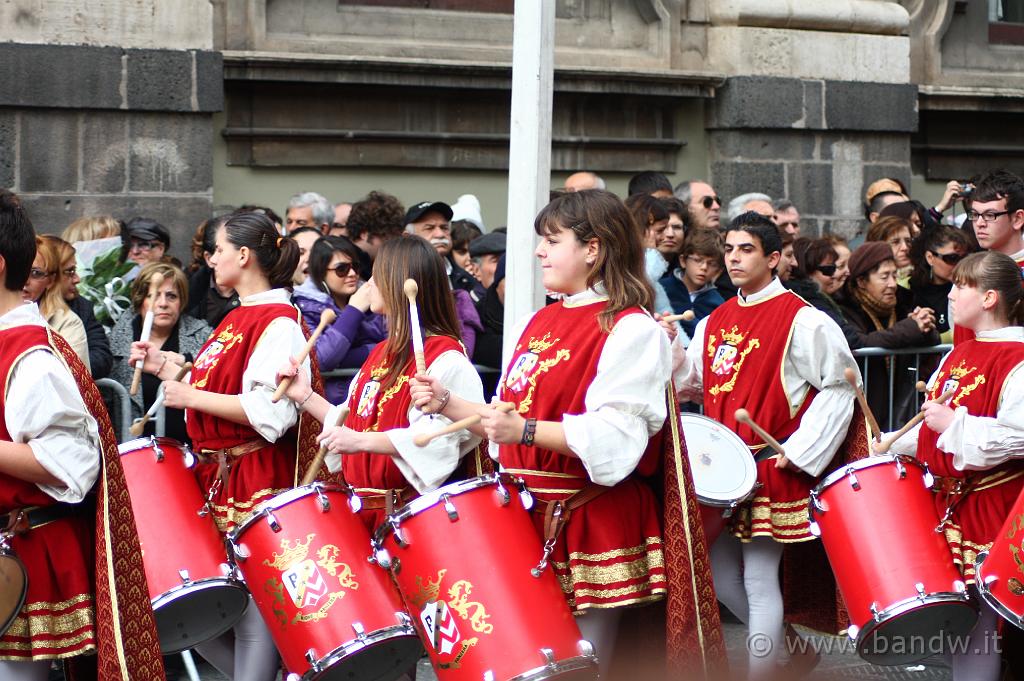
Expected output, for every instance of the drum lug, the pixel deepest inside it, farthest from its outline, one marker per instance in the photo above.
(875, 613)
(585, 648)
(929, 479)
(503, 495)
(852, 632)
(325, 503)
(901, 470)
(272, 522)
(854, 482)
(815, 530)
(526, 499)
(183, 573)
(360, 631)
(920, 590)
(190, 458)
(549, 657)
(355, 502)
(449, 508)
(238, 551)
(816, 502)
(403, 619)
(382, 557)
(488, 675)
(960, 587)
(313, 659)
(158, 453)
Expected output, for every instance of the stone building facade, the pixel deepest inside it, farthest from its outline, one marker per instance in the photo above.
(174, 107)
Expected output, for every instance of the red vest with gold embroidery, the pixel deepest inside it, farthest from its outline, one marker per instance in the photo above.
(14, 343)
(745, 346)
(551, 370)
(976, 369)
(219, 368)
(962, 333)
(374, 410)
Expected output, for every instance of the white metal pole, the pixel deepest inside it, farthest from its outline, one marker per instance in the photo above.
(529, 159)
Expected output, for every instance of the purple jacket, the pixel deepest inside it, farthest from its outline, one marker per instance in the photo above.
(469, 319)
(346, 343)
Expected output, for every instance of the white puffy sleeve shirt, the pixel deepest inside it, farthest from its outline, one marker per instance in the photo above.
(281, 339)
(45, 411)
(625, 403)
(426, 468)
(818, 357)
(982, 442)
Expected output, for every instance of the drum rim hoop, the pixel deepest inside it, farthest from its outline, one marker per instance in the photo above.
(281, 500)
(176, 592)
(427, 501)
(546, 671)
(904, 606)
(989, 598)
(6, 624)
(352, 646)
(148, 440)
(746, 459)
(867, 462)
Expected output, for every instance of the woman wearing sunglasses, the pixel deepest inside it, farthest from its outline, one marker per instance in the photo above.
(45, 286)
(934, 254)
(333, 283)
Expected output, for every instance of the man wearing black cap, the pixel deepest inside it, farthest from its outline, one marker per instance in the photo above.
(144, 240)
(432, 221)
(486, 251)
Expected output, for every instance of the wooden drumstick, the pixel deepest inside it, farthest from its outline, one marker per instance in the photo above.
(424, 439)
(147, 328)
(411, 289)
(851, 378)
(140, 425)
(327, 318)
(743, 416)
(921, 386)
(687, 316)
(884, 446)
(318, 460)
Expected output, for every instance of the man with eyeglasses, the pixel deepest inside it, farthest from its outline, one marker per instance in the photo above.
(997, 216)
(702, 202)
(144, 240)
(340, 225)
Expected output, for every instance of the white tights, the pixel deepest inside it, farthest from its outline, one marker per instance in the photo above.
(746, 579)
(247, 652)
(601, 627)
(25, 671)
(985, 664)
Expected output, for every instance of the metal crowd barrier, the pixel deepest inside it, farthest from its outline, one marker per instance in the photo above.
(914, 370)
(124, 406)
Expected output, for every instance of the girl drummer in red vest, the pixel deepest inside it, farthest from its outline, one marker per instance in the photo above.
(247, 441)
(380, 460)
(587, 379)
(973, 444)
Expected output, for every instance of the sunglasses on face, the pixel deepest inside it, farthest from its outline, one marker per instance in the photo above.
(342, 269)
(709, 201)
(827, 270)
(949, 258)
(145, 245)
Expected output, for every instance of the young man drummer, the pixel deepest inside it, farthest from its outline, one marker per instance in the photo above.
(49, 461)
(769, 352)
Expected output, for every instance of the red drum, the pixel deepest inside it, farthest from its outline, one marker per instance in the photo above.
(999, 572)
(333, 616)
(724, 471)
(878, 522)
(465, 558)
(195, 593)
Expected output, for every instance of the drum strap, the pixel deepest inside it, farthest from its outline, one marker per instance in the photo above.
(21, 520)
(387, 499)
(557, 513)
(956, 489)
(223, 457)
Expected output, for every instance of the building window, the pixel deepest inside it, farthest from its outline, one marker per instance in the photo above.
(495, 6)
(1006, 22)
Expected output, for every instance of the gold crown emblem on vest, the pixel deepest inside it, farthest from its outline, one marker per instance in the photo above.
(289, 554)
(539, 345)
(733, 337)
(960, 370)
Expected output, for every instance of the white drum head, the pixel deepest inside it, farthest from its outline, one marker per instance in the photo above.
(723, 468)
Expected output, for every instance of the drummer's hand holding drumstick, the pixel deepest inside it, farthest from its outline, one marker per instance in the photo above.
(935, 414)
(743, 416)
(163, 364)
(300, 392)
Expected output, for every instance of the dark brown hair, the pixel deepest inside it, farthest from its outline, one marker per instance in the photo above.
(412, 257)
(884, 228)
(599, 214)
(991, 270)
(378, 214)
(705, 242)
(277, 256)
(171, 272)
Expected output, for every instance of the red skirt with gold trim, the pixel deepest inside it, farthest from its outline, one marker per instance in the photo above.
(609, 554)
(779, 508)
(58, 618)
(252, 479)
(976, 520)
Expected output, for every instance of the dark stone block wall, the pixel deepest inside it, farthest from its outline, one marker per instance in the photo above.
(818, 143)
(104, 130)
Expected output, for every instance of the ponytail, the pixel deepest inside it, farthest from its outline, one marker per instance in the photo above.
(277, 256)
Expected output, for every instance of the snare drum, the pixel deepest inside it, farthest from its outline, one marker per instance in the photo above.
(333, 616)
(877, 520)
(192, 586)
(724, 470)
(13, 585)
(463, 558)
(999, 572)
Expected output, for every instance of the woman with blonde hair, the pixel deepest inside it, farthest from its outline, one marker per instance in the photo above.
(45, 286)
(92, 228)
